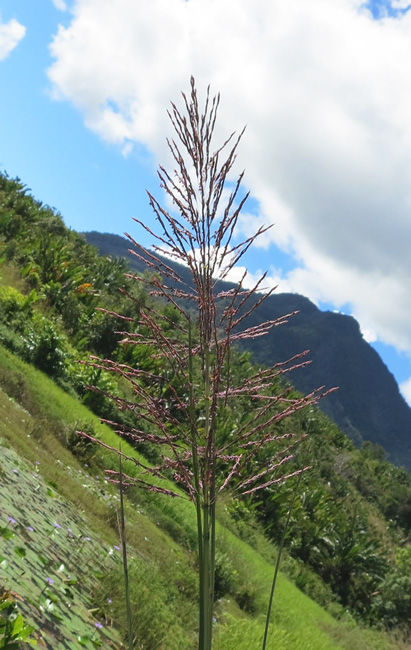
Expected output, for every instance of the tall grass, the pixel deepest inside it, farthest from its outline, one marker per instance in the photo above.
(183, 416)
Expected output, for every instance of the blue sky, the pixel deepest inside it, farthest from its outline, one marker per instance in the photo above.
(325, 91)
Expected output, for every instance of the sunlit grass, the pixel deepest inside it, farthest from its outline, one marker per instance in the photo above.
(161, 534)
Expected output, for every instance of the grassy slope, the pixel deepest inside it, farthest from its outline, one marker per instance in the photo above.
(47, 549)
(163, 570)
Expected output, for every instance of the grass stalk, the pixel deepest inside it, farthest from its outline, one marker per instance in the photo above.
(209, 502)
(122, 531)
(184, 426)
(205, 569)
(278, 562)
(197, 489)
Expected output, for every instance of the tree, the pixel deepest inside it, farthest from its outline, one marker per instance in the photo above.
(182, 416)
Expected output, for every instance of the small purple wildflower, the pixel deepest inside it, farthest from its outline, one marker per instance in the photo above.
(30, 528)
(12, 521)
(98, 625)
(56, 525)
(37, 462)
(15, 471)
(109, 601)
(116, 547)
(50, 581)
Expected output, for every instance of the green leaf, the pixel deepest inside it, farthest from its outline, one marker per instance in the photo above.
(7, 533)
(98, 574)
(25, 632)
(83, 640)
(20, 551)
(17, 626)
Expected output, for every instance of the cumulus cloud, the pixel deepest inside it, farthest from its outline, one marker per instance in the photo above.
(61, 5)
(325, 92)
(400, 4)
(11, 34)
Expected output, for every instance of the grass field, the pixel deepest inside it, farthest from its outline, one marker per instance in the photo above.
(59, 550)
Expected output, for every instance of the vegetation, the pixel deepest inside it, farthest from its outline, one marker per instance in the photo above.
(347, 540)
(161, 536)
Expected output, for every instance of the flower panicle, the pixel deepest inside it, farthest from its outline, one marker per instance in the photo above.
(133, 481)
(275, 481)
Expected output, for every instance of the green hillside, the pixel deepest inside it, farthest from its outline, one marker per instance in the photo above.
(66, 572)
(347, 541)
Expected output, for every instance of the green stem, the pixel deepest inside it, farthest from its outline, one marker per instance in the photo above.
(197, 490)
(278, 562)
(209, 505)
(124, 553)
(206, 576)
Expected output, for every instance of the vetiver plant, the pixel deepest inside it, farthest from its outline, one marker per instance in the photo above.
(183, 407)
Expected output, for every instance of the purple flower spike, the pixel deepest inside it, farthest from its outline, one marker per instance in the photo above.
(12, 521)
(30, 528)
(50, 581)
(56, 525)
(98, 625)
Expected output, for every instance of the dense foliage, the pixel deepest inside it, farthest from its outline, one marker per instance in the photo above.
(347, 539)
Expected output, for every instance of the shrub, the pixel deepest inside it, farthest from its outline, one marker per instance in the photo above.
(226, 577)
(81, 446)
(45, 348)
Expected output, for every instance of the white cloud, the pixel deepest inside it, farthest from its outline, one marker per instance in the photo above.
(405, 389)
(400, 4)
(368, 333)
(11, 34)
(325, 92)
(61, 5)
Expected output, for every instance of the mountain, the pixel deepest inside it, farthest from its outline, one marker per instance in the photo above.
(368, 405)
